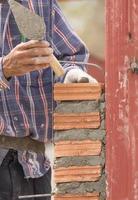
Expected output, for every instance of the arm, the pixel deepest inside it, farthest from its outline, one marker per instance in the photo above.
(68, 47)
(3, 81)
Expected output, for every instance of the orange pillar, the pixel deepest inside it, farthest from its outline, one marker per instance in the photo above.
(121, 99)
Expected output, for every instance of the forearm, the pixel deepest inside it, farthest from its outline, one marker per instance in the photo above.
(3, 80)
(68, 46)
(7, 71)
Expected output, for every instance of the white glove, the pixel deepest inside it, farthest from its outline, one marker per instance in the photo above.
(79, 76)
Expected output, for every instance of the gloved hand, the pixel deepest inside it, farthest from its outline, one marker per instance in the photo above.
(79, 76)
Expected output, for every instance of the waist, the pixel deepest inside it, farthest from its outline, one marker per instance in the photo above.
(21, 144)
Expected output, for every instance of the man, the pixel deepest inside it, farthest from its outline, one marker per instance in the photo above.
(26, 101)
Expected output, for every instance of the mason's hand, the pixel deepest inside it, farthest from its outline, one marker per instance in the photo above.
(79, 76)
(27, 57)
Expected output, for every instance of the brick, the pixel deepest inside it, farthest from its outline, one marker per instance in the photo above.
(77, 91)
(77, 148)
(67, 121)
(87, 196)
(77, 174)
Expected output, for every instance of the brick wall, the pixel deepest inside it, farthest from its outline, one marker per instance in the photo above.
(79, 124)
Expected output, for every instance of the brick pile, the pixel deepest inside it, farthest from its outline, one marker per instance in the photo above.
(79, 124)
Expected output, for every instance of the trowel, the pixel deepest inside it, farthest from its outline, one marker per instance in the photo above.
(32, 27)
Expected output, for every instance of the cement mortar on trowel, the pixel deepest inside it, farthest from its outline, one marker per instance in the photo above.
(30, 24)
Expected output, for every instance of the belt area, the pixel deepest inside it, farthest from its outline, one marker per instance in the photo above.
(23, 144)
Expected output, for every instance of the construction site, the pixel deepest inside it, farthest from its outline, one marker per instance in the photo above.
(88, 129)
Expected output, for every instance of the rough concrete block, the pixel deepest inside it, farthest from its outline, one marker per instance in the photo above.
(80, 161)
(102, 107)
(80, 134)
(83, 187)
(78, 107)
(102, 127)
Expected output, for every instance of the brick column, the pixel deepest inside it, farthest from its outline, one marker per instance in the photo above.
(79, 127)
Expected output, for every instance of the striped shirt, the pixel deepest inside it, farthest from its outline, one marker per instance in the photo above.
(26, 108)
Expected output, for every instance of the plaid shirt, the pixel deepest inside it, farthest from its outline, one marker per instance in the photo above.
(26, 108)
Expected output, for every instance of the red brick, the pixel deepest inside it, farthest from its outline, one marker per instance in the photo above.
(87, 196)
(67, 121)
(77, 91)
(77, 173)
(77, 148)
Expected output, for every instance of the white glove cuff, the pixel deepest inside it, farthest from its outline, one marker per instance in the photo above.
(75, 75)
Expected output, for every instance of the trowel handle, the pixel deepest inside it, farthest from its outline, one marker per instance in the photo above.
(56, 66)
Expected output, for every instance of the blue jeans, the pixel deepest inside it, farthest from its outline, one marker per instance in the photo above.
(13, 183)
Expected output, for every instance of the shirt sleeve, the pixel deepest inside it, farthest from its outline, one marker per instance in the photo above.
(67, 45)
(4, 84)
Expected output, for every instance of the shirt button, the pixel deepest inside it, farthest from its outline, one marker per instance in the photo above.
(15, 118)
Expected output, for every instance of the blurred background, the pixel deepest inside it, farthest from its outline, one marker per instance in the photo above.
(88, 20)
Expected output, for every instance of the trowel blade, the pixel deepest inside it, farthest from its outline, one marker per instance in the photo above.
(31, 25)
